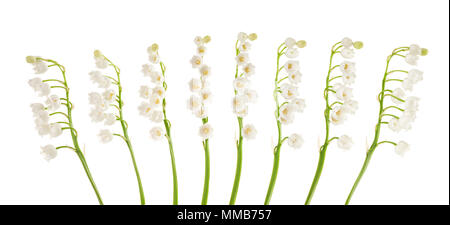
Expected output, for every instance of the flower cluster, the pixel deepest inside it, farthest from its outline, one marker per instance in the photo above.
(39, 65)
(241, 84)
(405, 107)
(413, 54)
(201, 94)
(107, 107)
(103, 101)
(400, 104)
(287, 86)
(44, 112)
(336, 110)
(151, 108)
(288, 76)
(344, 104)
(289, 90)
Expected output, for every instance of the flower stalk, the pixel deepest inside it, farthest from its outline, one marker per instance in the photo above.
(335, 111)
(242, 96)
(324, 147)
(285, 112)
(396, 96)
(276, 152)
(155, 98)
(207, 167)
(68, 117)
(197, 103)
(237, 176)
(115, 101)
(168, 135)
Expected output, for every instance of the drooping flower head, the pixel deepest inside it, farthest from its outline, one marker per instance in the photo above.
(398, 83)
(288, 79)
(104, 102)
(47, 113)
(343, 104)
(153, 96)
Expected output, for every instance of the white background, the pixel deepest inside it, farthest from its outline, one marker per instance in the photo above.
(69, 32)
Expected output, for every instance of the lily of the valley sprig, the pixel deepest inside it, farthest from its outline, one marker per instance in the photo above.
(398, 115)
(201, 95)
(108, 107)
(154, 106)
(286, 84)
(50, 118)
(242, 96)
(336, 110)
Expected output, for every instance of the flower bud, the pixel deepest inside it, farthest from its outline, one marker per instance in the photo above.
(97, 53)
(423, 52)
(301, 43)
(206, 39)
(252, 36)
(358, 44)
(154, 47)
(31, 59)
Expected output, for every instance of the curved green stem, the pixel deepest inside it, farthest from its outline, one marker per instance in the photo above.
(393, 107)
(276, 163)
(73, 133)
(334, 78)
(237, 176)
(276, 160)
(375, 143)
(385, 95)
(387, 142)
(317, 174)
(399, 80)
(138, 177)
(126, 138)
(394, 71)
(174, 173)
(323, 148)
(282, 79)
(168, 125)
(360, 175)
(386, 114)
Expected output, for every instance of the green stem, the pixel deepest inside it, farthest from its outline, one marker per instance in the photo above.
(375, 143)
(276, 160)
(360, 175)
(74, 135)
(276, 163)
(172, 157)
(394, 116)
(393, 107)
(334, 78)
(168, 125)
(128, 142)
(401, 100)
(399, 80)
(125, 132)
(237, 176)
(387, 142)
(323, 148)
(207, 172)
(317, 174)
(394, 71)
